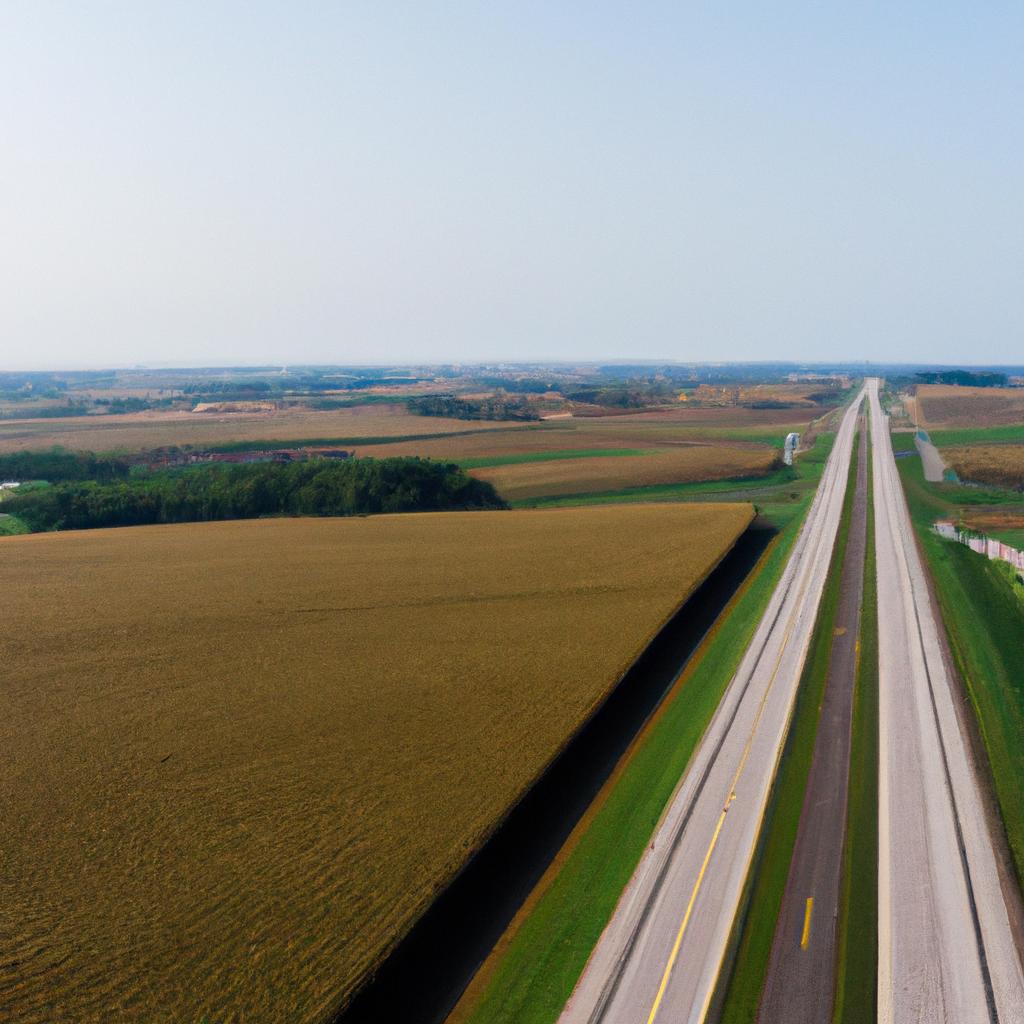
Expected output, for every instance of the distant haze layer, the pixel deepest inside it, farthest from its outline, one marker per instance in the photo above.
(246, 183)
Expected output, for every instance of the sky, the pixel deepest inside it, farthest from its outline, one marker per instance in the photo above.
(239, 183)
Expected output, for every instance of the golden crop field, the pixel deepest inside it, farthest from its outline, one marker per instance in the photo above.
(135, 431)
(999, 464)
(644, 430)
(237, 760)
(947, 405)
(600, 473)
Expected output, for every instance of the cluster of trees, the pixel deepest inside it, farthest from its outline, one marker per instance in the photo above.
(498, 407)
(634, 395)
(59, 464)
(318, 488)
(965, 378)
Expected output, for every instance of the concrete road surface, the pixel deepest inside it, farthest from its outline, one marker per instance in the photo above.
(946, 951)
(660, 956)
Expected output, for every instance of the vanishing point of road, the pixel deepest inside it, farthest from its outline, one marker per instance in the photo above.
(946, 948)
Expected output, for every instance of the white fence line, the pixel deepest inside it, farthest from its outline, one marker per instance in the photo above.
(994, 549)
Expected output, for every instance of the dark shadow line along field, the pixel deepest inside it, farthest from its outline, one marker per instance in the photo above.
(423, 977)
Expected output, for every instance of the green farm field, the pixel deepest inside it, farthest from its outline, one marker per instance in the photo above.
(239, 759)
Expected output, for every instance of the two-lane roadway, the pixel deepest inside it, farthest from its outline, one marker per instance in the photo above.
(946, 953)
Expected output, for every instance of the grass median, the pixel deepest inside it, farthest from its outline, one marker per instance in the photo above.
(757, 923)
(857, 966)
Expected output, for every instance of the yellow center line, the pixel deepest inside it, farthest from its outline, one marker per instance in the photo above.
(721, 818)
(714, 838)
(807, 922)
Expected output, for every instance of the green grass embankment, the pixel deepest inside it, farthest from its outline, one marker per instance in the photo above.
(534, 969)
(857, 931)
(778, 836)
(984, 619)
(1012, 434)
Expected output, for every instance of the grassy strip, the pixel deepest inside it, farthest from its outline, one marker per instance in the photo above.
(487, 461)
(984, 619)
(539, 962)
(857, 954)
(743, 994)
(11, 526)
(1012, 434)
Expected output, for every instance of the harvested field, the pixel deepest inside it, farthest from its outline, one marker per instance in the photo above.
(238, 759)
(641, 430)
(136, 431)
(519, 482)
(1001, 465)
(946, 405)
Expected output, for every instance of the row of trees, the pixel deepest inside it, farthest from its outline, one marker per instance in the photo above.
(318, 487)
(59, 464)
(497, 407)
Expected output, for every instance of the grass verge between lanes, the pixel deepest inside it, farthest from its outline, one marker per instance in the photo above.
(857, 931)
(756, 923)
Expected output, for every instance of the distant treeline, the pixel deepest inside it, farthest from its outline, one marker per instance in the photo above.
(59, 464)
(499, 407)
(634, 396)
(315, 488)
(965, 378)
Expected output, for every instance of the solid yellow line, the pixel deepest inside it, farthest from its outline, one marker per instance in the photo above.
(807, 922)
(714, 839)
(721, 818)
(686, 919)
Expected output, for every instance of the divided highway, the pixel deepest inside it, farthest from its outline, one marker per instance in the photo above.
(661, 954)
(946, 951)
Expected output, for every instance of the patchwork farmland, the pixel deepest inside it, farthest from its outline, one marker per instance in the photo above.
(683, 464)
(240, 759)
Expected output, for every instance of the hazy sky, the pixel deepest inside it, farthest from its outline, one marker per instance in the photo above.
(220, 182)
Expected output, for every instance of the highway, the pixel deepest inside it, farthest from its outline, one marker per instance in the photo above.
(800, 987)
(660, 956)
(946, 950)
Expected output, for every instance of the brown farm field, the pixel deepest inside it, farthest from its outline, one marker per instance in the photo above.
(136, 431)
(947, 405)
(237, 760)
(1001, 465)
(681, 464)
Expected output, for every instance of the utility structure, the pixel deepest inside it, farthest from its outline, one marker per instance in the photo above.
(792, 441)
